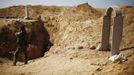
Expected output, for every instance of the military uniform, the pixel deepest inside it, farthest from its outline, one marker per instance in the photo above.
(21, 45)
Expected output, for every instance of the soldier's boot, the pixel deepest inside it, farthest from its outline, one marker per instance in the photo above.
(14, 60)
(26, 60)
(15, 56)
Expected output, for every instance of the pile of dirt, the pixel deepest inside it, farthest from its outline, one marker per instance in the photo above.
(34, 11)
(74, 37)
(10, 12)
(80, 11)
(87, 8)
(128, 30)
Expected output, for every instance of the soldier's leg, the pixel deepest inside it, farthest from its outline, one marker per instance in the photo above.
(26, 56)
(16, 56)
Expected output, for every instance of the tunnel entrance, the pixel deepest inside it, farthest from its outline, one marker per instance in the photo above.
(38, 38)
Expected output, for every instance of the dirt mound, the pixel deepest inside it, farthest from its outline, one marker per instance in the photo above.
(128, 29)
(35, 11)
(85, 6)
(10, 12)
(74, 36)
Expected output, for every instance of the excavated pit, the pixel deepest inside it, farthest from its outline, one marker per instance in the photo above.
(38, 38)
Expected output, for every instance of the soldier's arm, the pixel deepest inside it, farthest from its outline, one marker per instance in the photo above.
(17, 35)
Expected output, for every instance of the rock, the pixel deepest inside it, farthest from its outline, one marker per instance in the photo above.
(71, 58)
(92, 47)
(80, 47)
(98, 69)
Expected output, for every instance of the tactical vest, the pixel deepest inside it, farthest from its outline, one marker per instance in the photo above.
(22, 39)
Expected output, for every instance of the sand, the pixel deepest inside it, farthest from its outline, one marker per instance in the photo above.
(73, 31)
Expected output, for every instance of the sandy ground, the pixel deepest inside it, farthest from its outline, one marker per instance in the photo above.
(90, 63)
(73, 31)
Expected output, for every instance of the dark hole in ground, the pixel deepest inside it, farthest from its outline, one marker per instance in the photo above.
(38, 40)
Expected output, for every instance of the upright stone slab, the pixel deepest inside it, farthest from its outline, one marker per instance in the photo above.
(117, 31)
(106, 33)
(117, 34)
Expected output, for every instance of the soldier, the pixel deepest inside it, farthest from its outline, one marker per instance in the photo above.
(21, 44)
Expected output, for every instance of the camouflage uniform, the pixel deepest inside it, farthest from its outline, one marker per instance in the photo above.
(21, 45)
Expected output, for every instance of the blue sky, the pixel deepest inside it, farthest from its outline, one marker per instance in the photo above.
(94, 3)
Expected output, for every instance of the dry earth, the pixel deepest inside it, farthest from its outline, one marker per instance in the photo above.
(73, 30)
